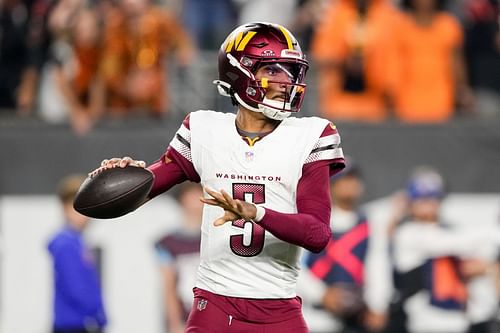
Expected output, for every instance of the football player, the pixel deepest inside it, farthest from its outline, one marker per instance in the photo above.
(266, 181)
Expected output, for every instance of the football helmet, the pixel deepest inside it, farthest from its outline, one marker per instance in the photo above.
(251, 47)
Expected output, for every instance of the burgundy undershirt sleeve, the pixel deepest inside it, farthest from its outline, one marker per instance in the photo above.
(171, 169)
(310, 227)
(166, 176)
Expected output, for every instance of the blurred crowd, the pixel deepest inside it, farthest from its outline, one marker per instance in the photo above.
(416, 61)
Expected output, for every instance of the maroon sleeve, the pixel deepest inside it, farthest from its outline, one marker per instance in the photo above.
(181, 154)
(171, 171)
(172, 168)
(310, 227)
(183, 163)
(166, 176)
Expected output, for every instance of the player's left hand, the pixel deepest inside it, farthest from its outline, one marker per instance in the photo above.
(234, 209)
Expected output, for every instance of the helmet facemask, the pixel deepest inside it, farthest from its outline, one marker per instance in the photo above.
(287, 80)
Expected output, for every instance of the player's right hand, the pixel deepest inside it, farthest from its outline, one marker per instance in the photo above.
(117, 162)
(234, 209)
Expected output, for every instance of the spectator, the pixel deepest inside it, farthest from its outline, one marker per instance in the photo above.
(13, 50)
(351, 47)
(482, 50)
(208, 21)
(431, 273)
(483, 301)
(333, 283)
(138, 36)
(71, 88)
(306, 18)
(78, 305)
(431, 75)
(23, 50)
(179, 254)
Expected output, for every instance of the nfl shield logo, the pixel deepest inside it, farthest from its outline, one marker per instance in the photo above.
(249, 156)
(202, 304)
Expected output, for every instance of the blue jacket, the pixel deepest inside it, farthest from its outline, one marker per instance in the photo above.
(77, 292)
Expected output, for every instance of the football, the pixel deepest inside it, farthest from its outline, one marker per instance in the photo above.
(113, 192)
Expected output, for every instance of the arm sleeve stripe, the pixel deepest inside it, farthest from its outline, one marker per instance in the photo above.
(184, 132)
(328, 154)
(328, 140)
(181, 147)
(325, 144)
(316, 150)
(183, 141)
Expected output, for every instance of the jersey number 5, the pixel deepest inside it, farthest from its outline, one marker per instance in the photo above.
(252, 245)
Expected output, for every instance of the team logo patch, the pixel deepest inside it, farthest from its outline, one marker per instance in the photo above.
(202, 304)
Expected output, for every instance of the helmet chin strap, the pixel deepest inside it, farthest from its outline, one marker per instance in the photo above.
(273, 113)
(267, 111)
(273, 109)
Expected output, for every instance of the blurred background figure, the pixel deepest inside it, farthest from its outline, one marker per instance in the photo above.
(482, 50)
(432, 76)
(178, 253)
(208, 21)
(435, 264)
(14, 22)
(277, 11)
(138, 37)
(23, 50)
(307, 16)
(352, 49)
(78, 303)
(483, 301)
(70, 90)
(332, 282)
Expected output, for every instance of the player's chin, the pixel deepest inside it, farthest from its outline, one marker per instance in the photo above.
(279, 98)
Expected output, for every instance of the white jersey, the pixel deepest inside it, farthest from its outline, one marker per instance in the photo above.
(241, 259)
(416, 242)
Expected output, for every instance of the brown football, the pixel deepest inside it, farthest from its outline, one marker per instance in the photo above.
(113, 192)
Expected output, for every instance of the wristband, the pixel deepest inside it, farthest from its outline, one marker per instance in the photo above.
(259, 215)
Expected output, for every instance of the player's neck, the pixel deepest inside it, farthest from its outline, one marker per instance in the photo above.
(254, 122)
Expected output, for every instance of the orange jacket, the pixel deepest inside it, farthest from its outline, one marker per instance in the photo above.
(426, 87)
(340, 34)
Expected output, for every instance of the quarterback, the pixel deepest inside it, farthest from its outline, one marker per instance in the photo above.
(266, 181)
